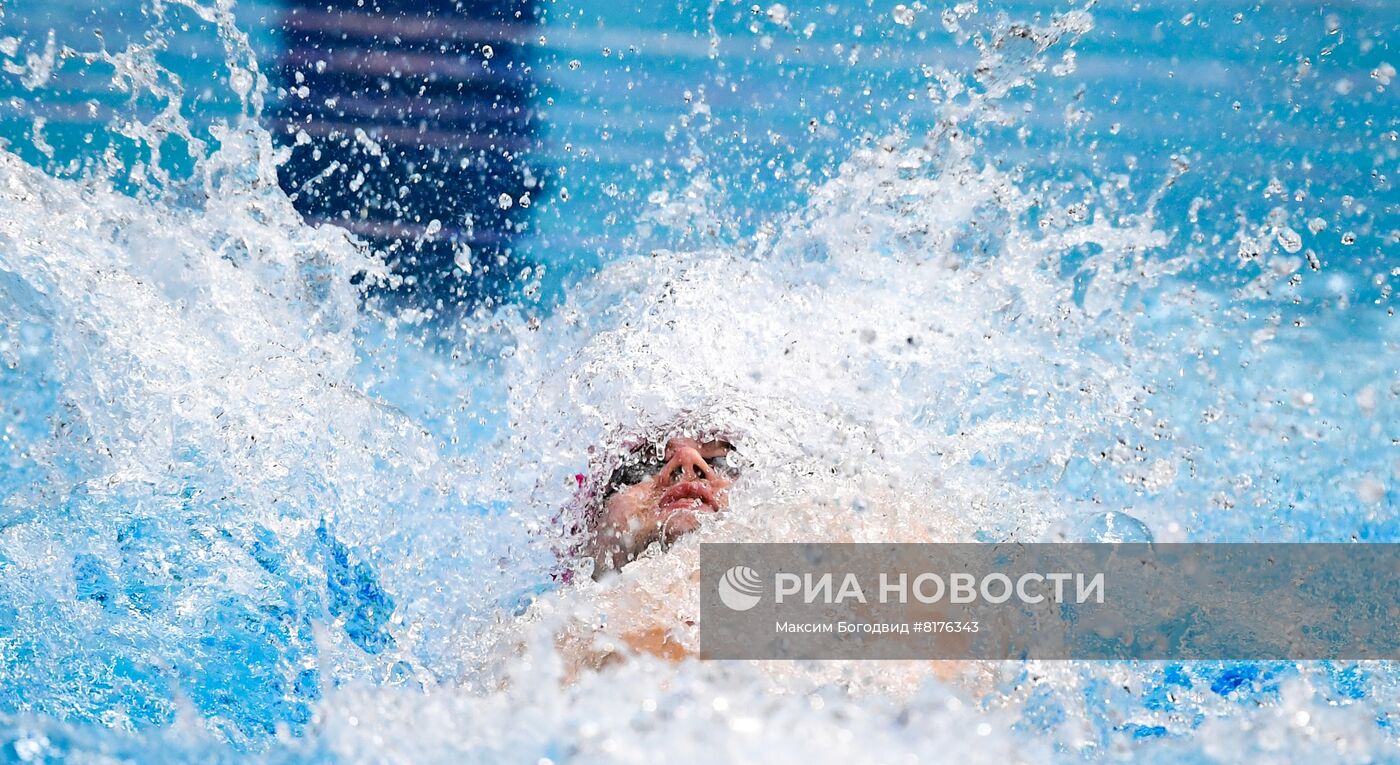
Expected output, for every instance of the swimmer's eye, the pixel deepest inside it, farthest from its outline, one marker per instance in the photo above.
(634, 473)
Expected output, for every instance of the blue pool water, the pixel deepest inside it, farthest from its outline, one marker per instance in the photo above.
(1073, 272)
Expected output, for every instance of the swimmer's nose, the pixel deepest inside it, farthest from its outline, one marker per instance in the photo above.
(686, 464)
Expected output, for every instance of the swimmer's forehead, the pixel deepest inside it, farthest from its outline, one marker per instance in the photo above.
(708, 447)
(715, 446)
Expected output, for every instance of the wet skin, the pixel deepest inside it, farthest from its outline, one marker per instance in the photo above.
(663, 502)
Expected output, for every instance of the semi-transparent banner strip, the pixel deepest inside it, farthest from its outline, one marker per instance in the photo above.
(1050, 601)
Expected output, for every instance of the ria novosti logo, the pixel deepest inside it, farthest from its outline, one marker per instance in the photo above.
(740, 588)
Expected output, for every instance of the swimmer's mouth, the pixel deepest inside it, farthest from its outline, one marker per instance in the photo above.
(691, 495)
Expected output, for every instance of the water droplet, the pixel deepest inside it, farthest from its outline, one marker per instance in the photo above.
(504, 201)
(487, 52)
(241, 82)
(1370, 491)
(1366, 400)
(1112, 526)
(903, 15)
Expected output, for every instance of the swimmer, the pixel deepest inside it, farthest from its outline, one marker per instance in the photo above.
(642, 500)
(641, 497)
(657, 498)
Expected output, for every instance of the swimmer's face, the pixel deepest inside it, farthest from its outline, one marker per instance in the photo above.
(661, 499)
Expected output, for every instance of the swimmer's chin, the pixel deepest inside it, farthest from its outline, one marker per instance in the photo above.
(685, 518)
